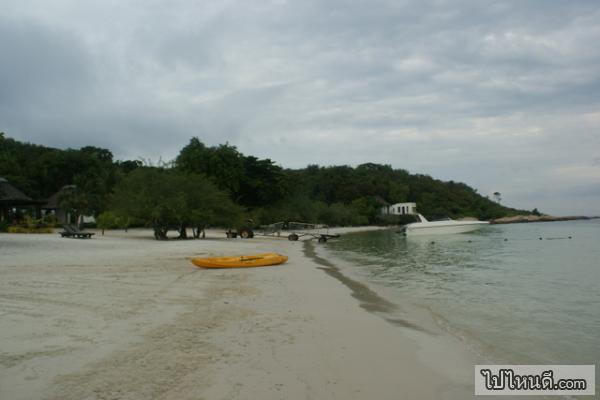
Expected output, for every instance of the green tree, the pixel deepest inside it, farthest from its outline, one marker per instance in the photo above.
(74, 201)
(41, 171)
(249, 181)
(222, 164)
(170, 199)
(112, 220)
(262, 183)
(366, 209)
(398, 192)
(314, 193)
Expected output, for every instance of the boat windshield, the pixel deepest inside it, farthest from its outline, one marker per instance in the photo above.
(421, 218)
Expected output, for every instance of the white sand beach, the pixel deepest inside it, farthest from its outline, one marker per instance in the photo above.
(123, 316)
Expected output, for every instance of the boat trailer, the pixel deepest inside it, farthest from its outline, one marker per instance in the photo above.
(293, 230)
(315, 231)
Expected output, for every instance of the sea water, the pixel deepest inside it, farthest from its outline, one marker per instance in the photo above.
(526, 293)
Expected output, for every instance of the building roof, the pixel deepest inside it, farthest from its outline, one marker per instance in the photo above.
(11, 195)
(54, 200)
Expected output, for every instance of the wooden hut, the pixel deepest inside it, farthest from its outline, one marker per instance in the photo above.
(52, 205)
(13, 201)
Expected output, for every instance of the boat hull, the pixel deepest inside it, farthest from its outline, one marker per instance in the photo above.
(431, 228)
(255, 260)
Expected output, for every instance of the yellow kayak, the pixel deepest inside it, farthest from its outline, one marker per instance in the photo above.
(255, 260)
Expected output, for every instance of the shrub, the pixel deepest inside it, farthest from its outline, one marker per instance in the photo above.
(50, 220)
(23, 229)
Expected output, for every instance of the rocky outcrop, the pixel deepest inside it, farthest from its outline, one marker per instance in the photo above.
(515, 219)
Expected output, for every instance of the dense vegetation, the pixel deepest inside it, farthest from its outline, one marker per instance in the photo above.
(170, 199)
(220, 186)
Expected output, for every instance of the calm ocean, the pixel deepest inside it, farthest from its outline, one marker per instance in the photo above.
(521, 300)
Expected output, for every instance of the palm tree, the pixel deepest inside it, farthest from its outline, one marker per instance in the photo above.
(498, 197)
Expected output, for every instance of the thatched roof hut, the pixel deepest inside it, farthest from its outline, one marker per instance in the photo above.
(10, 195)
(53, 201)
(52, 205)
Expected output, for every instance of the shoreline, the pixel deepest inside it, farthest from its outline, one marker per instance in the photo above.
(376, 267)
(140, 321)
(422, 316)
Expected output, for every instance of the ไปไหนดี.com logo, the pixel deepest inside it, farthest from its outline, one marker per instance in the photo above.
(535, 380)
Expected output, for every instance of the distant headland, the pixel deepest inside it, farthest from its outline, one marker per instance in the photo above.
(516, 219)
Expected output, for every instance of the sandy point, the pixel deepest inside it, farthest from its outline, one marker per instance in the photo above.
(122, 316)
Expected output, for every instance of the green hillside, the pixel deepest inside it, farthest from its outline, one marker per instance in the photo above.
(256, 188)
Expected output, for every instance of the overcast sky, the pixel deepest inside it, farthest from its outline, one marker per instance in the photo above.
(504, 96)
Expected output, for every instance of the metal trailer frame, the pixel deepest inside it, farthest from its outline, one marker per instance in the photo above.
(294, 230)
(271, 229)
(263, 230)
(316, 231)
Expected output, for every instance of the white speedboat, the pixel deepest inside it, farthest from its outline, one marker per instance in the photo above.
(424, 227)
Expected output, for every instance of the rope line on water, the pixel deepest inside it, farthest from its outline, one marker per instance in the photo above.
(522, 239)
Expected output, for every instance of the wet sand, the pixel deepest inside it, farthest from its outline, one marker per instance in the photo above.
(122, 316)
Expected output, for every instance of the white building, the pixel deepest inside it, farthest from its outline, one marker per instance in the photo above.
(399, 209)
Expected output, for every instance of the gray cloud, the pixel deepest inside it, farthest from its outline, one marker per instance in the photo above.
(43, 72)
(501, 95)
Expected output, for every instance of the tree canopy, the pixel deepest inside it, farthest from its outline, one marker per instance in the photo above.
(216, 184)
(170, 199)
(42, 171)
(249, 181)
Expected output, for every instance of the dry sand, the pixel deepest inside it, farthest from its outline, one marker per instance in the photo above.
(122, 316)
